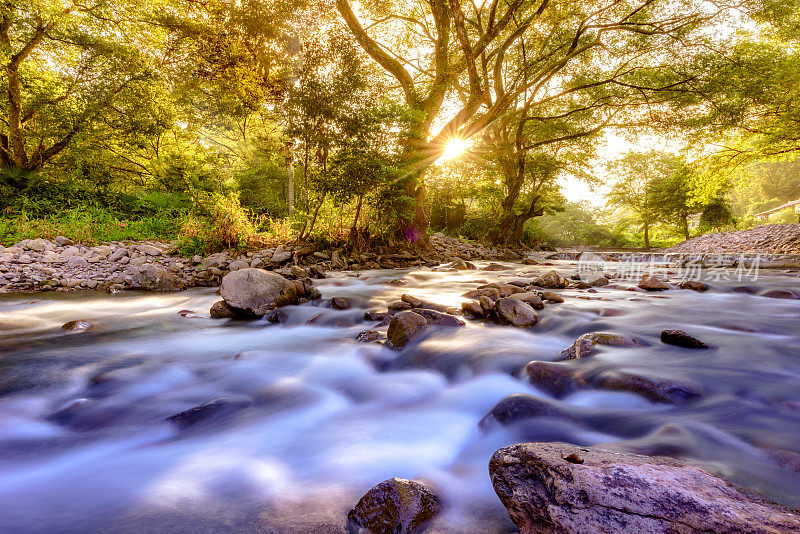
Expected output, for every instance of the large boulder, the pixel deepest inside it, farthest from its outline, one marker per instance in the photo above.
(561, 488)
(394, 506)
(651, 283)
(515, 312)
(256, 291)
(404, 327)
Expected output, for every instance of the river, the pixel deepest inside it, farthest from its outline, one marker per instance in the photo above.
(85, 445)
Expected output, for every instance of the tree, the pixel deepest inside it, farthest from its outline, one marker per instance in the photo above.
(444, 53)
(634, 191)
(104, 80)
(672, 192)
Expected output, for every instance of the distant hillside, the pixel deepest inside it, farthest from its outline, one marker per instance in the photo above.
(765, 239)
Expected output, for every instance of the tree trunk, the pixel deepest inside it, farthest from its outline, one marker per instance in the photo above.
(685, 226)
(316, 212)
(647, 236)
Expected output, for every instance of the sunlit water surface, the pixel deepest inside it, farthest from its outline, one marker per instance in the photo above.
(85, 445)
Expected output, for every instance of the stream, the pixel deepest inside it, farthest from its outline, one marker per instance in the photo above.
(317, 418)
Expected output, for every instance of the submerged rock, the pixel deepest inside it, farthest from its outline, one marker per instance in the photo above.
(586, 345)
(520, 406)
(340, 303)
(561, 488)
(76, 326)
(394, 506)
(369, 336)
(404, 327)
(555, 298)
(555, 378)
(515, 312)
(211, 410)
(659, 389)
(256, 291)
(436, 318)
(780, 294)
(680, 338)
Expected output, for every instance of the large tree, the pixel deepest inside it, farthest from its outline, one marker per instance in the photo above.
(457, 64)
(103, 80)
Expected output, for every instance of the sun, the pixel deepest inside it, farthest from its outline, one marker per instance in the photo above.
(454, 148)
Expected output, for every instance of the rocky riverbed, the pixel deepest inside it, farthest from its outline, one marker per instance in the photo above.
(61, 265)
(764, 239)
(378, 399)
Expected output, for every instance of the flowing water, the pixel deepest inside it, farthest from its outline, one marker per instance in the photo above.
(316, 418)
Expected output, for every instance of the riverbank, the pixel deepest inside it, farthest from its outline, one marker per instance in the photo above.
(61, 265)
(764, 239)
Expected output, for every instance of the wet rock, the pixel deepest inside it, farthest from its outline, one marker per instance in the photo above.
(374, 315)
(490, 292)
(651, 283)
(658, 389)
(155, 278)
(511, 311)
(414, 301)
(586, 345)
(505, 290)
(435, 318)
(404, 327)
(396, 282)
(680, 338)
(562, 488)
(520, 406)
(495, 267)
(458, 264)
(780, 294)
(340, 303)
(212, 410)
(317, 271)
(221, 310)
(551, 280)
(531, 298)
(555, 298)
(256, 291)
(693, 285)
(76, 326)
(399, 305)
(394, 506)
(529, 261)
(486, 304)
(558, 379)
(472, 309)
(369, 336)
(276, 317)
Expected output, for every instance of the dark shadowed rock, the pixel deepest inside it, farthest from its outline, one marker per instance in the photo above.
(515, 312)
(394, 506)
(693, 285)
(651, 283)
(374, 315)
(680, 338)
(555, 298)
(659, 389)
(561, 488)
(399, 305)
(551, 280)
(520, 406)
(276, 317)
(256, 291)
(340, 303)
(221, 310)
(487, 304)
(780, 294)
(472, 309)
(529, 261)
(586, 345)
(558, 379)
(210, 411)
(435, 318)
(495, 267)
(369, 336)
(404, 327)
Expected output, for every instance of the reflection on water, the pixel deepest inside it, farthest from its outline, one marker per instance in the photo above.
(308, 419)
